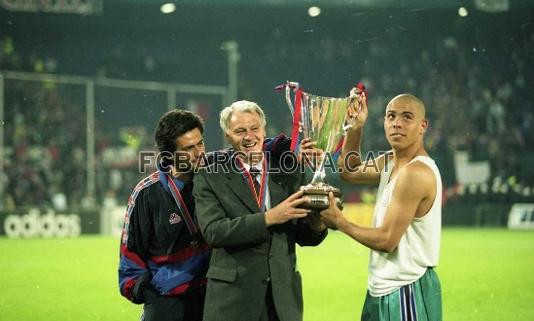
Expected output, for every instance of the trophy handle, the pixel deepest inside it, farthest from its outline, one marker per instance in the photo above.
(289, 86)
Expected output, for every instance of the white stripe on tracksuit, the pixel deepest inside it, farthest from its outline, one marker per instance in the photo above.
(408, 311)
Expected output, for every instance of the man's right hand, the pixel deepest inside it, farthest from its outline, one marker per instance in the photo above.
(309, 154)
(287, 210)
(332, 217)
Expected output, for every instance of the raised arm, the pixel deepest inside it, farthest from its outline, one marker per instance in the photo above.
(353, 168)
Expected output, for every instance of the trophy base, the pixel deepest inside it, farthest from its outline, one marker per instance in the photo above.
(318, 195)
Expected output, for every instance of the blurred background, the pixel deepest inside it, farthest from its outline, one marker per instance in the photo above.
(84, 82)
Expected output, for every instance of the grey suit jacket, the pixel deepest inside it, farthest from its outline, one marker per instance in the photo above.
(246, 254)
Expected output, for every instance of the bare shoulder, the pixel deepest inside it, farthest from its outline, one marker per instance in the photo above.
(417, 177)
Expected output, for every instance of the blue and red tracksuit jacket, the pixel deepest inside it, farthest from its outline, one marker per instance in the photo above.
(157, 249)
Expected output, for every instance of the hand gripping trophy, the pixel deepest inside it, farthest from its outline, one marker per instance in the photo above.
(324, 120)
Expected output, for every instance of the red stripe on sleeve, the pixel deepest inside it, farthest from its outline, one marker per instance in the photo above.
(181, 255)
(132, 256)
(128, 288)
(184, 287)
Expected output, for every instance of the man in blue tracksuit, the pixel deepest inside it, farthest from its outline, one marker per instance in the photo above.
(163, 257)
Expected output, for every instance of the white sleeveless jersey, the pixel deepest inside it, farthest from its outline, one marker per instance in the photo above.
(419, 246)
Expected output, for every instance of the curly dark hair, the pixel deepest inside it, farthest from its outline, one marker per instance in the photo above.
(174, 124)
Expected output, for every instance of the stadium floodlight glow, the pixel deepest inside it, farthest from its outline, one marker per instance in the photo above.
(168, 8)
(462, 12)
(314, 11)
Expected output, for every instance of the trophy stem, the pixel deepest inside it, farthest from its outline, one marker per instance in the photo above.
(320, 173)
(317, 191)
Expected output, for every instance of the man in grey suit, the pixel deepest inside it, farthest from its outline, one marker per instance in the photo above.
(248, 212)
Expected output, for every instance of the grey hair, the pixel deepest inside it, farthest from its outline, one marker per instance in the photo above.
(243, 106)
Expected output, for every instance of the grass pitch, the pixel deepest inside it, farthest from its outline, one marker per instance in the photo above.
(486, 274)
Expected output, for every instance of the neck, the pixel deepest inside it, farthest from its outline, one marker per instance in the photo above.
(252, 159)
(184, 177)
(402, 157)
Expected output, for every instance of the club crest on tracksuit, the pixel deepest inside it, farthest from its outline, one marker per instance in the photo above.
(174, 218)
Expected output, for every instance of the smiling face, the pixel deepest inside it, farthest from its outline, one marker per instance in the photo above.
(246, 134)
(405, 123)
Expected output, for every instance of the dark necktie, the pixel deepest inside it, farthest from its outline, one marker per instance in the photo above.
(255, 174)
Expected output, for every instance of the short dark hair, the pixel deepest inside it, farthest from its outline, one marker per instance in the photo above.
(174, 124)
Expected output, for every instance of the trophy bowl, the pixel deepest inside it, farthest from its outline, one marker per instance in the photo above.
(318, 196)
(323, 120)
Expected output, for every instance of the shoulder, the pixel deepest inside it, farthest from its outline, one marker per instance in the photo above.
(143, 186)
(216, 161)
(277, 144)
(147, 182)
(212, 172)
(218, 156)
(417, 177)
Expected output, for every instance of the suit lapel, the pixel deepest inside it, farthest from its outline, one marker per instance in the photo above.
(240, 188)
(276, 190)
(236, 183)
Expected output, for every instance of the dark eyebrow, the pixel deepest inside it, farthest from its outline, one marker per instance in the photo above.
(396, 112)
(193, 145)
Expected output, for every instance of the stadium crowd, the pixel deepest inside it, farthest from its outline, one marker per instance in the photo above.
(478, 97)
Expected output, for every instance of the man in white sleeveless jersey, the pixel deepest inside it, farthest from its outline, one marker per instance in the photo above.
(406, 232)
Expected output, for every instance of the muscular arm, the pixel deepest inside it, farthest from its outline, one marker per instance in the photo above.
(406, 200)
(355, 170)
(352, 166)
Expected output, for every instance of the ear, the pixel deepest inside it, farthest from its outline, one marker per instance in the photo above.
(424, 126)
(227, 138)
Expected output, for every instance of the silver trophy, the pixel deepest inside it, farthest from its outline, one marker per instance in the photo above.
(322, 119)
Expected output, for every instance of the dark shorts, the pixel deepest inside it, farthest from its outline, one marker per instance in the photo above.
(186, 307)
